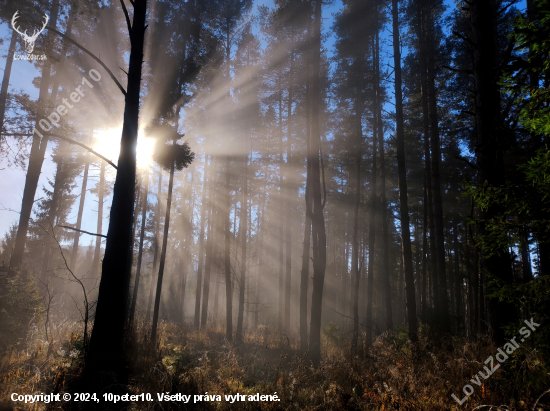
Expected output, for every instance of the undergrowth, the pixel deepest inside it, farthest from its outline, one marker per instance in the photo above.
(393, 374)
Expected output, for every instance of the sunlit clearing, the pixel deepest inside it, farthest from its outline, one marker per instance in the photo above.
(108, 145)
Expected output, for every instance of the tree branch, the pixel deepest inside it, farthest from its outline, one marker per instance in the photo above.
(81, 231)
(458, 70)
(127, 19)
(70, 140)
(70, 40)
(467, 162)
(466, 39)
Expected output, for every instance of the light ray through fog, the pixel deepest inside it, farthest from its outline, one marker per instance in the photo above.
(107, 143)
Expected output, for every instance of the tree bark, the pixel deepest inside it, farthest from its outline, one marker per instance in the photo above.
(376, 133)
(140, 249)
(208, 261)
(99, 226)
(356, 269)
(402, 174)
(490, 146)
(162, 256)
(443, 311)
(156, 242)
(106, 346)
(36, 156)
(319, 240)
(289, 188)
(6, 79)
(226, 253)
(243, 229)
(196, 322)
(74, 252)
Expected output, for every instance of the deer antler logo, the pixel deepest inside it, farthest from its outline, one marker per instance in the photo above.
(29, 40)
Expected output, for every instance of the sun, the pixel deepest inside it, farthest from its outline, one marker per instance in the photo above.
(108, 145)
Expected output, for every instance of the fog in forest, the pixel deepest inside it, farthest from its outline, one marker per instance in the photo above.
(343, 203)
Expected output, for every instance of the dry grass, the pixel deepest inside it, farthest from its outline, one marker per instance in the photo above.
(394, 375)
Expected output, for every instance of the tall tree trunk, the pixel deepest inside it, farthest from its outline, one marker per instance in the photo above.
(74, 252)
(289, 187)
(99, 226)
(162, 256)
(304, 278)
(106, 347)
(226, 253)
(355, 266)
(490, 146)
(36, 156)
(208, 260)
(443, 311)
(6, 79)
(243, 229)
(140, 250)
(319, 239)
(424, 296)
(261, 217)
(280, 239)
(196, 322)
(156, 242)
(402, 174)
(385, 269)
(434, 280)
(53, 211)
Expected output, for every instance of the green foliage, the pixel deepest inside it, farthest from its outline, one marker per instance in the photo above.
(525, 205)
(20, 306)
(523, 77)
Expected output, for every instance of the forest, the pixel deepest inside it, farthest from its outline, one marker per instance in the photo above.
(275, 205)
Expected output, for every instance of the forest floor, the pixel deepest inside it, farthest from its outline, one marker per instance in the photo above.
(391, 376)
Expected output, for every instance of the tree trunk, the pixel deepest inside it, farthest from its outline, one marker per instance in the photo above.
(140, 250)
(377, 123)
(434, 281)
(49, 227)
(196, 322)
(6, 79)
(162, 257)
(36, 156)
(289, 188)
(319, 240)
(243, 229)
(99, 226)
(156, 241)
(74, 252)
(443, 311)
(355, 266)
(402, 174)
(262, 233)
(226, 253)
(208, 260)
(280, 313)
(106, 346)
(490, 146)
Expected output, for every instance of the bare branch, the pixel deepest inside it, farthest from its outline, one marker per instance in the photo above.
(467, 162)
(127, 19)
(465, 38)
(70, 40)
(70, 140)
(458, 70)
(81, 231)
